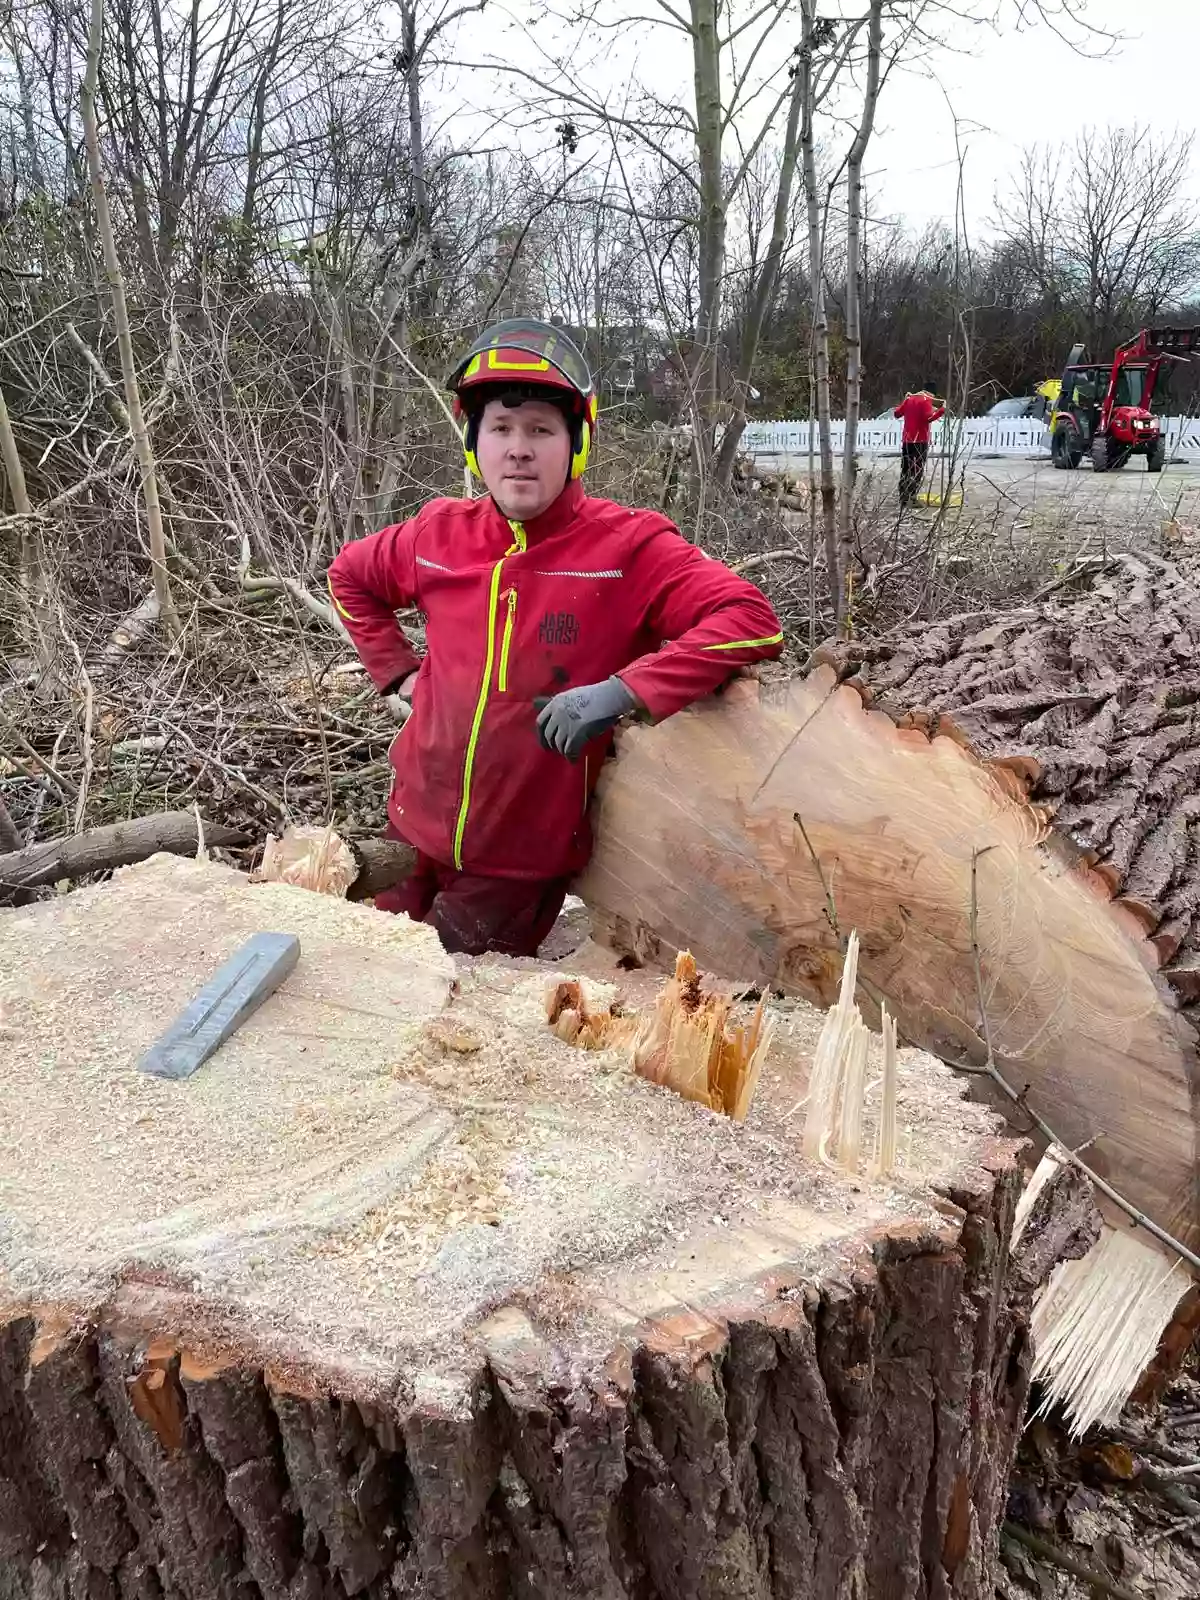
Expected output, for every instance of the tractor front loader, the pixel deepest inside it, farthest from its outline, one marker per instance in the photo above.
(1105, 410)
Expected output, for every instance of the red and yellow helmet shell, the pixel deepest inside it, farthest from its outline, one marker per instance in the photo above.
(524, 353)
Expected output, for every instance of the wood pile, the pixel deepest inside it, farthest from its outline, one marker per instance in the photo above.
(401, 1294)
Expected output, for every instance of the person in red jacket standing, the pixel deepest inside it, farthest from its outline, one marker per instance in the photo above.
(919, 411)
(549, 617)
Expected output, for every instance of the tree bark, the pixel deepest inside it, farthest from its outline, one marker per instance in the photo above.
(854, 165)
(763, 293)
(706, 65)
(31, 568)
(254, 145)
(866, 1423)
(37, 173)
(267, 1377)
(112, 266)
(135, 157)
(101, 849)
(382, 863)
(10, 834)
(819, 315)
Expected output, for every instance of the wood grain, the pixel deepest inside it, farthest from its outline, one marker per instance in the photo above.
(699, 847)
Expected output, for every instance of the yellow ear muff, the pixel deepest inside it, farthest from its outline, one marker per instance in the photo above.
(579, 459)
(467, 431)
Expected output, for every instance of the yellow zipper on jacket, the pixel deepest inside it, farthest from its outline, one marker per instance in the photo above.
(484, 688)
(506, 643)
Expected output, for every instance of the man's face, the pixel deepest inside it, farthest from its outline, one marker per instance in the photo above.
(524, 454)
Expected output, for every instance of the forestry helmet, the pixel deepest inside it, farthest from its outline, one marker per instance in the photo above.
(519, 359)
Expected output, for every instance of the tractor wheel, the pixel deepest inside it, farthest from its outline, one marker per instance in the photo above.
(1061, 453)
(1156, 455)
(1100, 456)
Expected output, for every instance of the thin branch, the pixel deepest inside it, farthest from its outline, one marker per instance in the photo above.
(64, 784)
(1069, 1563)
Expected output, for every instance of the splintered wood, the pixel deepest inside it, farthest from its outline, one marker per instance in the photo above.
(837, 1091)
(577, 1020)
(309, 858)
(955, 821)
(1099, 1320)
(689, 1044)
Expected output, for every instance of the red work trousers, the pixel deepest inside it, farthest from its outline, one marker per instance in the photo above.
(471, 914)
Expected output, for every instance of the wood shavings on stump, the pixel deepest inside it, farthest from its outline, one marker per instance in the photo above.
(401, 1293)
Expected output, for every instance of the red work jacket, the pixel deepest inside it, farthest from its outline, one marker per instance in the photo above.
(918, 411)
(516, 611)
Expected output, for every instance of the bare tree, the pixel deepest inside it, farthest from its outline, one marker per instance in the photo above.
(854, 165)
(1105, 227)
(116, 283)
(742, 94)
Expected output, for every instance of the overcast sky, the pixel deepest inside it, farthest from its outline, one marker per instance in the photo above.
(1019, 88)
(1008, 90)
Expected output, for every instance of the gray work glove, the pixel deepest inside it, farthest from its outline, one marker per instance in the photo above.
(567, 721)
(399, 702)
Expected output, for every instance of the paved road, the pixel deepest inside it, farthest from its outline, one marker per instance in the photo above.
(1023, 486)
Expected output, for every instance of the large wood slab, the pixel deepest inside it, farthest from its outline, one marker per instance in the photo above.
(699, 845)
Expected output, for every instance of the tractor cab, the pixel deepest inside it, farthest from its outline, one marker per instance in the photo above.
(1105, 409)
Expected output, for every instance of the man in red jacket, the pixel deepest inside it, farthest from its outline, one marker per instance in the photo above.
(549, 616)
(919, 411)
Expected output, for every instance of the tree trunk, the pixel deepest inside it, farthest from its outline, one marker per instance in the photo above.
(31, 569)
(416, 129)
(135, 149)
(400, 1316)
(10, 834)
(706, 63)
(854, 165)
(116, 283)
(254, 146)
(101, 849)
(37, 174)
(819, 316)
(763, 293)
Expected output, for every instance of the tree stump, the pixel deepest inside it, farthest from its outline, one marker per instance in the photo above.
(400, 1295)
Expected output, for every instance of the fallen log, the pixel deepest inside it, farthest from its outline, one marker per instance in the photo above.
(380, 862)
(1015, 773)
(119, 844)
(403, 1294)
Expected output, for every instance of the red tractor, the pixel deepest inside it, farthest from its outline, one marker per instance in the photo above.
(1104, 409)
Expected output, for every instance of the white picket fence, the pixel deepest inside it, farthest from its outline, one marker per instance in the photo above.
(980, 436)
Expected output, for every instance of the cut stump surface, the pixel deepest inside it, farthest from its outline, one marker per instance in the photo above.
(400, 1295)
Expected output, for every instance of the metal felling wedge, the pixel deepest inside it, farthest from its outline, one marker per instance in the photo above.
(235, 993)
